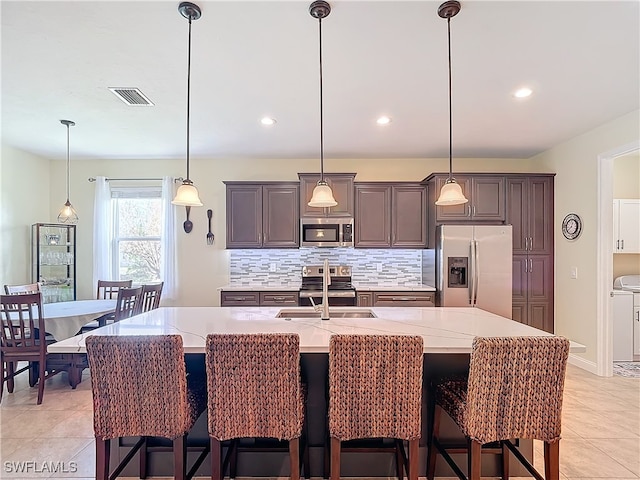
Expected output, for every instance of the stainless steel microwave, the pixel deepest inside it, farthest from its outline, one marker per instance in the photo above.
(326, 232)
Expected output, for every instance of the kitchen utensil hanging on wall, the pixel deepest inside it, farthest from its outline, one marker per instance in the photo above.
(210, 235)
(188, 224)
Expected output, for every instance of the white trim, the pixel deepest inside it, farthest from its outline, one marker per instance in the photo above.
(580, 362)
(604, 273)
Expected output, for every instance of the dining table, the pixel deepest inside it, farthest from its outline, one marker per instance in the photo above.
(65, 319)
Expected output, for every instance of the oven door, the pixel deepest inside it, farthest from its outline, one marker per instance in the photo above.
(341, 298)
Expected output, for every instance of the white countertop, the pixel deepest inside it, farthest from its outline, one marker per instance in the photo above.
(444, 329)
(361, 288)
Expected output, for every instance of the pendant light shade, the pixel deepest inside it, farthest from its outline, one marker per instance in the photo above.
(451, 193)
(187, 194)
(68, 214)
(322, 194)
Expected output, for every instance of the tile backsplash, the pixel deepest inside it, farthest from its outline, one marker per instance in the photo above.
(371, 267)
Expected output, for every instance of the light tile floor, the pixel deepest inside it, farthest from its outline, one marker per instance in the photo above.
(601, 429)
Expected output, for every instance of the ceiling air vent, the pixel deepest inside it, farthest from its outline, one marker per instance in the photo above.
(132, 97)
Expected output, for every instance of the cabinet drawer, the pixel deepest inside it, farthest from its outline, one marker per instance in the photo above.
(403, 299)
(279, 298)
(246, 299)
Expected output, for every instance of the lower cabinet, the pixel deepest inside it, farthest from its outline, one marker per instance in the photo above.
(395, 299)
(532, 302)
(257, 299)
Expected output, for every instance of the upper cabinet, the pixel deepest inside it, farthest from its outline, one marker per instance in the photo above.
(263, 215)
(342, 186)
(390, 215)
(626, 225)
(530, 211)
(485, 194)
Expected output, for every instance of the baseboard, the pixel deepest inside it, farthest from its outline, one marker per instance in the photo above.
(580, 362)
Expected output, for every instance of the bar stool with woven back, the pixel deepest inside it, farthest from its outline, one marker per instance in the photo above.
(375, 392)
(254, 391)
(141, 388)
(513, 391)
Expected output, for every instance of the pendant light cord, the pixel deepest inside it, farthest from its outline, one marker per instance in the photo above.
(450, 114)
(188, 94)
(321, 106)
(68, 166)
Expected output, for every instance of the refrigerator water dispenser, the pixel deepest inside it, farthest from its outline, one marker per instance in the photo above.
(457, 268)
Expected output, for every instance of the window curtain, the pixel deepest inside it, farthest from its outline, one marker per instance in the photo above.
(101, 232)
(168, 266)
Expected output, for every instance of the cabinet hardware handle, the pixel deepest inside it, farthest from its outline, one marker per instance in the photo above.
(474, 210)
(617, 244)
(278, 299)
(468, 210)
(622, 242)
(530, 265)
(404, 299)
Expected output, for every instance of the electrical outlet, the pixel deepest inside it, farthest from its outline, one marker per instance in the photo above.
(379, 267)
(272, 267)
(574, 272)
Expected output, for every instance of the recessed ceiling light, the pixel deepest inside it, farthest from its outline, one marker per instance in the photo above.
(383, 120)
(267, 121)
(523, 92)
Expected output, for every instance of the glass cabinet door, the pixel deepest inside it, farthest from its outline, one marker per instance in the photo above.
(54, 261)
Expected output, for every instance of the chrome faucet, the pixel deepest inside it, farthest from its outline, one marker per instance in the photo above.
(326, 281)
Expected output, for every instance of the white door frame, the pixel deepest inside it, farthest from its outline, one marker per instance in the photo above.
(604, 275)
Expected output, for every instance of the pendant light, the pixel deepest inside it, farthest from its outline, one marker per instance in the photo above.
(451, 193)
(187, 193)
(322, 195)
(68, 213)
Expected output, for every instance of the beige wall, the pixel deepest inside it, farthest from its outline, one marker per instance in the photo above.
(626, 184)
(576, 185)
(24, 200)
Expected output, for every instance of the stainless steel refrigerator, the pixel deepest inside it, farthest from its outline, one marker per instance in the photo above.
(473, 267)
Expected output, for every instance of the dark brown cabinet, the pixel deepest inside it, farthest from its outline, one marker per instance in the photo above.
(263, 215)
(390, 215)
(232, 298)
(395, 298)
(530, 211)
(486, 195)
(342, 186)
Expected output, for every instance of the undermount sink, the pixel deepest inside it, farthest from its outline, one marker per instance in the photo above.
(333, 313)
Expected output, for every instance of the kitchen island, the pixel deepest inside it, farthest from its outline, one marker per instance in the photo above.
(447, 332)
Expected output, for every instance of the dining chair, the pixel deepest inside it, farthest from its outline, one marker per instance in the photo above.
(108, 289)
(140, 388)
(20, 289)
(22, 339)
(254, 391)
(151, 294)
(513, 391)
(127, 303)
(375, 392)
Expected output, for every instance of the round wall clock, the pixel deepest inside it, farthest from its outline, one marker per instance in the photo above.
(571, 226)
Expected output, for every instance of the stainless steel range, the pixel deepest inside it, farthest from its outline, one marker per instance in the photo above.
(340, 291)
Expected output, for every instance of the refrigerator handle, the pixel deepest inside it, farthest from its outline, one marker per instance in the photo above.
(472, 269)
(476, 272)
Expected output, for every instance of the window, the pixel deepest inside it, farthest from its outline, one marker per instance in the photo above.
(137, 231)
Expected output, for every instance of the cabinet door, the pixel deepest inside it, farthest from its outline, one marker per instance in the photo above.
(342, 188)
(372, 221)
(487, 199)
(520, 272)
(365, 299)
(540, 292)
(454, 212)
(517, 214)
(629, 226)
(403, 299)
(244, 216)
(409, 216)
(280, 218)
(616, 226)
(540, 215)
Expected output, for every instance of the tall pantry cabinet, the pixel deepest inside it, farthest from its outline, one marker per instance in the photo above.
(530, 211)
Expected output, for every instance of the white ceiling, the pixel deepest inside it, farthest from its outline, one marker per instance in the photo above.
(249, 59)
